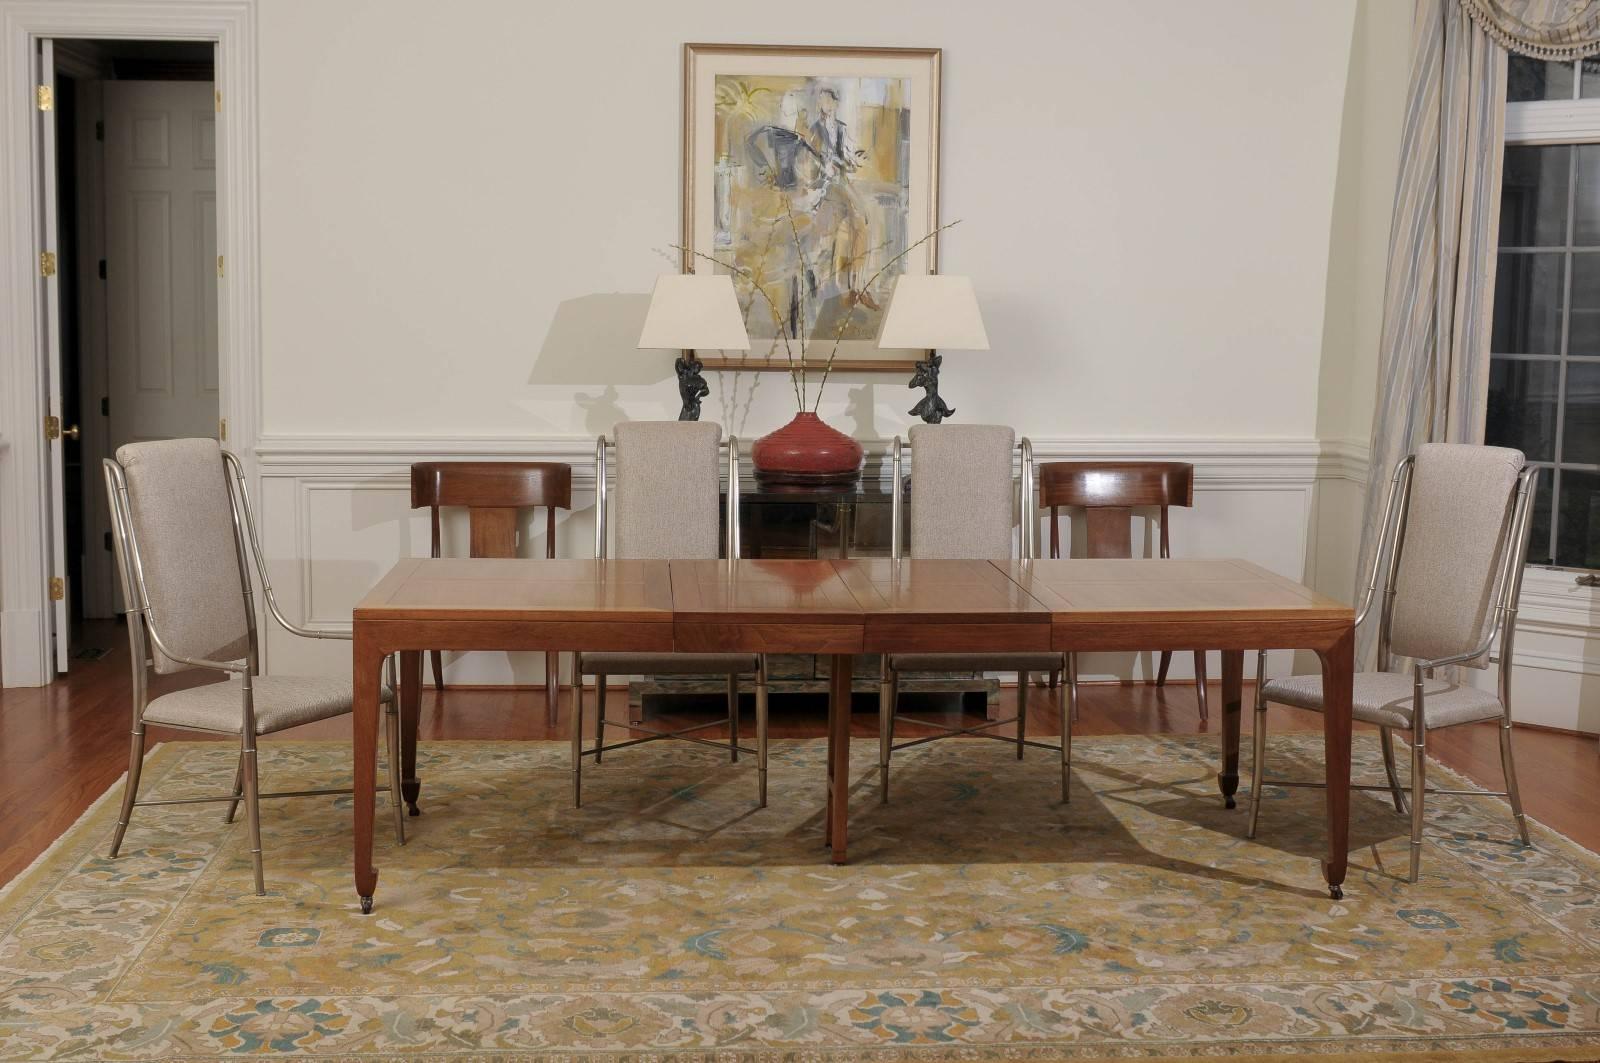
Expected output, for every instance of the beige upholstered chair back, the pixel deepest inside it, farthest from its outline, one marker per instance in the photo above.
(1455, 532)
(667, 486)
(961, 492)
(185, 547)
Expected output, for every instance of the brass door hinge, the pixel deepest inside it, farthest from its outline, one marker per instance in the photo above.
(47, 97)
(219, 265)
(47, 263)
(58, 588)
(222, 430)
(219, 100)
(52, 428)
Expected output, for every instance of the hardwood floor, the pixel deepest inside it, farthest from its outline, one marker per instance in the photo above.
(63, 745)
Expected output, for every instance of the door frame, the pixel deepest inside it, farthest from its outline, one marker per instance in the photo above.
(25, 652)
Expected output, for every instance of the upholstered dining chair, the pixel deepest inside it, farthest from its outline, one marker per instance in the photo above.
(961, 502)
(184, 536)
(667, 490)
(1108, 492)
(494, 493)
(1452, 539)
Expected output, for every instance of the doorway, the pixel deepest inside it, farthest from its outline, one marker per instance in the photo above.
(136, 220)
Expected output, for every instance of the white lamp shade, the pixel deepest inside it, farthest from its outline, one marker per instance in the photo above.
(929, 311)
(690, 311)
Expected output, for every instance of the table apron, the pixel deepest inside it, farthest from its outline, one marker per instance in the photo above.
(904, 635)
(1076, 636)
(596, 636)
(693, 636)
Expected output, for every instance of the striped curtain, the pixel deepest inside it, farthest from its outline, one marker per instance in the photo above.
(1433, 373)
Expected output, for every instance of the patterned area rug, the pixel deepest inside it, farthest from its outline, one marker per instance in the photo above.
(980, 918)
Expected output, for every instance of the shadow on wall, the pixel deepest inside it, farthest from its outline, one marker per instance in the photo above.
(594, 338)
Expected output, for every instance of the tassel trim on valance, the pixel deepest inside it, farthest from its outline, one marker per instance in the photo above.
(1555, 30)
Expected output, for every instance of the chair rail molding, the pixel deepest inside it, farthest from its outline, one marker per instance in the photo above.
(25, 654)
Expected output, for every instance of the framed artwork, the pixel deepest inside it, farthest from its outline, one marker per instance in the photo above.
(807, 174)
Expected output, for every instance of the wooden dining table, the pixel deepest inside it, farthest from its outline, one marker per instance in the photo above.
(836, 609)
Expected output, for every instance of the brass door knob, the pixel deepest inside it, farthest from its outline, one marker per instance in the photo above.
(70, 433)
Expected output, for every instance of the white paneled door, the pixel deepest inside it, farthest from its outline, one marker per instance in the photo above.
(161, 259)
(49, 310)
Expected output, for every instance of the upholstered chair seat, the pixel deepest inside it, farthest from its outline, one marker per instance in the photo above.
(281, 702)
(1385, 699)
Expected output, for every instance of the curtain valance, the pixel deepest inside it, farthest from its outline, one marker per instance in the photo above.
(1544, 29)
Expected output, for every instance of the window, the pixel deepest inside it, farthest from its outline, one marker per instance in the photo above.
(1544, 375)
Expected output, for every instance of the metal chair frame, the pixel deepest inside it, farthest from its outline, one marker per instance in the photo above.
(889, 683)
(142, 622)
(1392, 530)
(654, 734)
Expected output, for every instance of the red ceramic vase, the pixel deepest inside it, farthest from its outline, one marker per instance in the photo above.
(806, 451)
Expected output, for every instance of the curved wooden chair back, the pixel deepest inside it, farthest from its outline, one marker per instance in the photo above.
(1108, 492)
(493, 493)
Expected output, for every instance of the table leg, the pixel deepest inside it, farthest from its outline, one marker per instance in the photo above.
(1232, 710)
(1338, 675)
(410, 695)
(366, 663)
(839, 756)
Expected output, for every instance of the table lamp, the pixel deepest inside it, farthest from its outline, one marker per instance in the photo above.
(688, 312)
(933, 311)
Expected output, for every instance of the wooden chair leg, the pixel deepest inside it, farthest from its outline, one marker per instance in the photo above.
(761, 728)
(886, 697)
(577, 738)
(599, 716)
(1200, 683)
(130, 789)
(733, 718)
(1258, 744)
(1067, 707)
(438, 670)
(552, 688)
(1161, 671)
(391, 738)
(1022, 712)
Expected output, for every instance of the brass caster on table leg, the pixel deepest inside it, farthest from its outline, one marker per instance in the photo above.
(1336, 892)
(366, 905)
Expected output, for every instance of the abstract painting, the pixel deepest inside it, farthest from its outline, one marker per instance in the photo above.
(807, 172)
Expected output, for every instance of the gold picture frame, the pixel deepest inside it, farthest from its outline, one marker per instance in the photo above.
(806, 170)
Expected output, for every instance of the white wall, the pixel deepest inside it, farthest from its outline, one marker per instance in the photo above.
(463, 205)
(453, 195)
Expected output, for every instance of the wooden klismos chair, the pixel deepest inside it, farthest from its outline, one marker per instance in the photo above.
(962, 494)
(1108, 492)
(184, 535)
(494, 494)
(1452, 542)
(667, 490)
